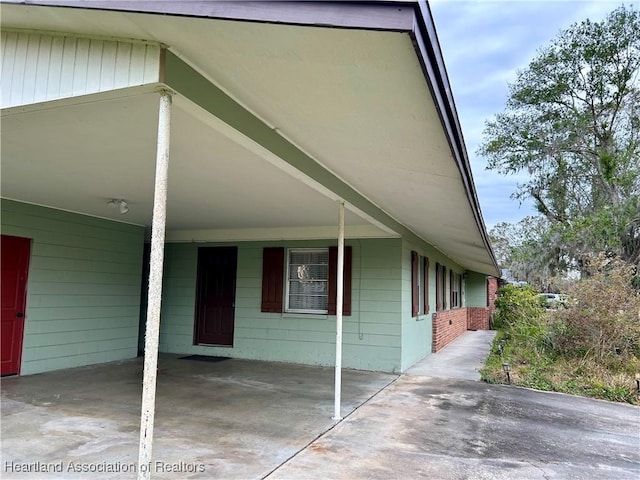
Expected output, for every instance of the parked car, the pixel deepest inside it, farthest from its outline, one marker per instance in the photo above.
(554, 300)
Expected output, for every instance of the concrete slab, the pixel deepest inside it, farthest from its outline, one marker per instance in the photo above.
(254, 420)
(434, 428)
(232, 419)
(462, 358)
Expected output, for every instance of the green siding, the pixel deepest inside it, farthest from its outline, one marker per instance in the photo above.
(417, 331)
(83, 292)
(476, 291)
(371, 335)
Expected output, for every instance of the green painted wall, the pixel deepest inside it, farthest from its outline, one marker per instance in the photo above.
(417, 331)
(371, 338)
(476, 291)
(83, 291)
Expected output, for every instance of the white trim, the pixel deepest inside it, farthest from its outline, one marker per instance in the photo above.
(289, 251)
(274, 234)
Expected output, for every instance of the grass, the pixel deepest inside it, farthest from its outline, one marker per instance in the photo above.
(534, 365)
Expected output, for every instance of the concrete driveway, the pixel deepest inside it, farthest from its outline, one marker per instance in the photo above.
(253, 420)
(434, 428)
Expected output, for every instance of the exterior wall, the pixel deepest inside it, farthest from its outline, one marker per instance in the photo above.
(418, 332)
(476, 290)
(371, 335)
(447, 326)
(479, 313)
(477, 318)
(38, 68)
(493, 293)
(83, 291)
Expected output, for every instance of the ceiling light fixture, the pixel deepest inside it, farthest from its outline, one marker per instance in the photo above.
(120, 203)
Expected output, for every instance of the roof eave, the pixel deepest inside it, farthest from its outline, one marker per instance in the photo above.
(413, 17)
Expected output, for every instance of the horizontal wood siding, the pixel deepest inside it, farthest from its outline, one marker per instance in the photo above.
(39, 68)
(417, 331)
(476, 291)
(83, 292)
(371, 334)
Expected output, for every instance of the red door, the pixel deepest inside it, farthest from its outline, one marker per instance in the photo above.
(216, 291)
(15, 264)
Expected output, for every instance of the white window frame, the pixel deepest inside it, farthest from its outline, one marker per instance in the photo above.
(288, 281)
(457, 290)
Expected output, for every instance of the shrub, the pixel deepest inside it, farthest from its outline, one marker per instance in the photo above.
(605, 318)
(520, 312)
(517, 306)
(591, 348)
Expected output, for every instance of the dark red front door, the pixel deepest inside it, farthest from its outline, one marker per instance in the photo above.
(15, 265)
(216, 295)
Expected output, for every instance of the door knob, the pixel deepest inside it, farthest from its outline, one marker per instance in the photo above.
(19, 314)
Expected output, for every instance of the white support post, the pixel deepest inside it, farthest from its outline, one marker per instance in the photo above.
(147, 414)
(339, 301)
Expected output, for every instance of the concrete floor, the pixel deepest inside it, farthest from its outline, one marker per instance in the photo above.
(462, 358)
(254, 420)
(232, 419)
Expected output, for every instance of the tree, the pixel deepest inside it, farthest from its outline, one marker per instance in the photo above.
(572, 121)
(526, 249)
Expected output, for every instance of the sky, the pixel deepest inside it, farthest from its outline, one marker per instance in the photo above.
(484, 43)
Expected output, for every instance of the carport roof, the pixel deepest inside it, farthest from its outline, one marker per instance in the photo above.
(353, 96)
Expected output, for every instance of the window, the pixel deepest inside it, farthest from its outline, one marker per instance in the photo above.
(456, 288)
(312, 288)
(307, 280)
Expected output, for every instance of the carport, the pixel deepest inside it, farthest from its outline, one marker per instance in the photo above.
(259, 122)
(224, 419)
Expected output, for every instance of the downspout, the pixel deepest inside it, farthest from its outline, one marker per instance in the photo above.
(147, 414)
(339, 300)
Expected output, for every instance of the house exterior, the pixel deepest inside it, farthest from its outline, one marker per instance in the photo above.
(281, 112)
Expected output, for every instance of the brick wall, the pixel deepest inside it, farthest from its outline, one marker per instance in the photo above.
(478, 318)
(492, 292)
(450, 324)
(447, 326)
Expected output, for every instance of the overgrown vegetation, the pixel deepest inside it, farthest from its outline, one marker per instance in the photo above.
(591, 348)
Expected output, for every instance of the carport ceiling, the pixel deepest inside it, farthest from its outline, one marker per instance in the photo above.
(354, 100)
(105, 149)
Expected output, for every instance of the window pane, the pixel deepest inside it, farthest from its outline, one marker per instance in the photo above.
(307, 288)
(307, 276)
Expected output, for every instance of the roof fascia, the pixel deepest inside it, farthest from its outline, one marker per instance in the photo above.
(393, 16)
(428, 49)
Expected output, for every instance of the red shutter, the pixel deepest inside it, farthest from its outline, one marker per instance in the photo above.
(272, 279)
(438, 288)
(333, 277)
(415, 294)
(451, 285)
(425, 284)
(444, 286)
